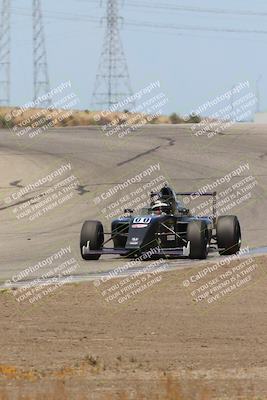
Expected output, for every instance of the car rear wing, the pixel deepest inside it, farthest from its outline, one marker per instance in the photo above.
(214, 200)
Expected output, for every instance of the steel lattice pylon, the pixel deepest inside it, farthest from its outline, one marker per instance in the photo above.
(5, 54)
(41, 78)
(112, 80)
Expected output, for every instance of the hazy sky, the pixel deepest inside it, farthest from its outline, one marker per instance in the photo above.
(192, 66)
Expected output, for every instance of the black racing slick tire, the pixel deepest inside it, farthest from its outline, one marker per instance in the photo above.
(228, 235)
(92, 232)
(197, 235)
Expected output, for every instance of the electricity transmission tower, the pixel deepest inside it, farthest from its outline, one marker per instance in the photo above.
(112, 80)
(5, 54)
(41, 78)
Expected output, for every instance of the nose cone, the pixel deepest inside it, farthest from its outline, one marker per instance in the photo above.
(141, 233)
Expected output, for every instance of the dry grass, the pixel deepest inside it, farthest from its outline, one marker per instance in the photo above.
(61, 118)
(167, 388)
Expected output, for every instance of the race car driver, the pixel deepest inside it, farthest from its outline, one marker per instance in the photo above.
(160, 208)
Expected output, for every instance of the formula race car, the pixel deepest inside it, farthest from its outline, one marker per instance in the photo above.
(165, 229)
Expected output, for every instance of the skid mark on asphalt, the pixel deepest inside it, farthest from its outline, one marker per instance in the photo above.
(81, 189)
(16, 184)
(171, 142)
(145, 153)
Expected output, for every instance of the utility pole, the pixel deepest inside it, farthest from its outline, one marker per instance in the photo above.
(5, 54)
(41, 78)
(112, 79)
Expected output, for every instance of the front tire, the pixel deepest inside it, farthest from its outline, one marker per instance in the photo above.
(92, 232)
(197, 234)
(228, 235)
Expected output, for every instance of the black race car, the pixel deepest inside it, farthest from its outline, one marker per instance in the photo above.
(166, 229)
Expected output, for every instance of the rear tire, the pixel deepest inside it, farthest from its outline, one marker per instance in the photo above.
(92, 232)
(228, 234)
(197, 234)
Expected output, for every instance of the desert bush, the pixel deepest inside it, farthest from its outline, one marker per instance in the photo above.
(194, 119)
(175, 119)
(4, 124)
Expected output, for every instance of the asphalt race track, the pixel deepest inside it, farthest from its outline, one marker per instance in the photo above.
(100, 163)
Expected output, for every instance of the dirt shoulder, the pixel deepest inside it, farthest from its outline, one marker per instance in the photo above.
(165, 339)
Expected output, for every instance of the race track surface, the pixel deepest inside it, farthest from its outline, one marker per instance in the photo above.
(100, 163)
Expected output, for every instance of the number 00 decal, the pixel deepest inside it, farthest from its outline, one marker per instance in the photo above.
(141, 220)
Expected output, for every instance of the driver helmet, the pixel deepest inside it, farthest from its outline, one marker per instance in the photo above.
(159, 208)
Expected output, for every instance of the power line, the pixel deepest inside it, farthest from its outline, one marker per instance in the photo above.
(173, 7)
(145, 24)
(195, 28)
(56, 15)
(185, 8)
